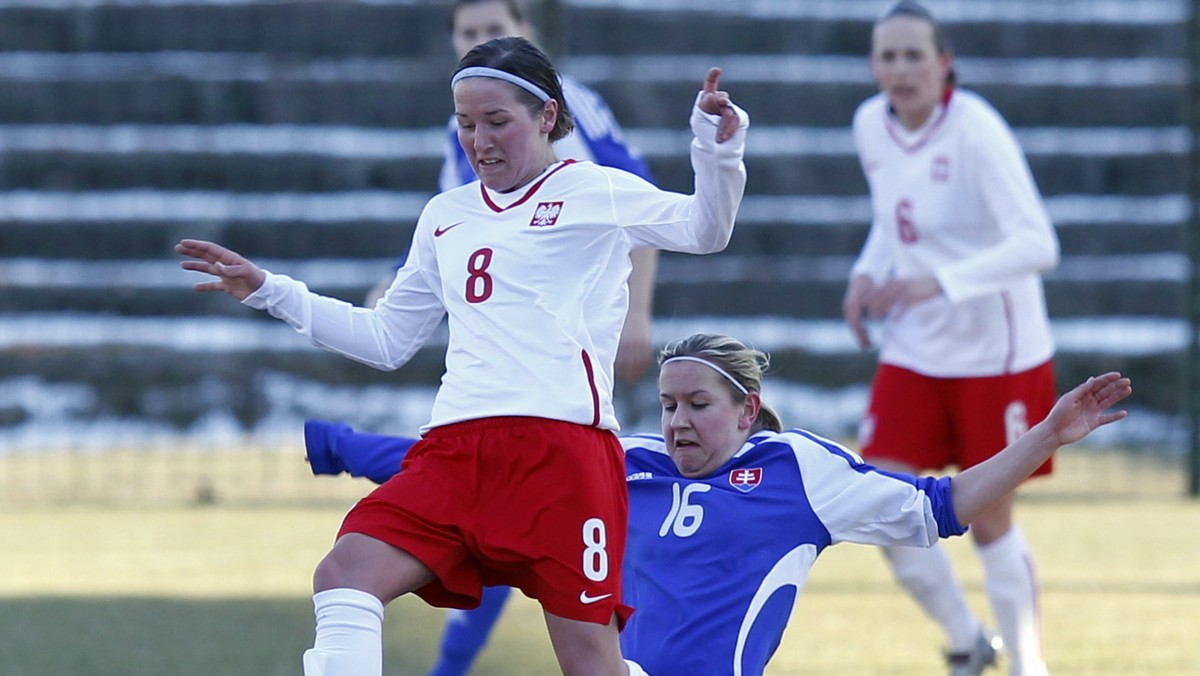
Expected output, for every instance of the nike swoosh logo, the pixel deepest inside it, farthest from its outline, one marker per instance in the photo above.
(585, 599)
(439, 231)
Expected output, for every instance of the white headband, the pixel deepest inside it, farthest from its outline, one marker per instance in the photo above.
(709, 364)
(484, 71)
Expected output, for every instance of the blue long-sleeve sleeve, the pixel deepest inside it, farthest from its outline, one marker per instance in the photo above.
(334, 448)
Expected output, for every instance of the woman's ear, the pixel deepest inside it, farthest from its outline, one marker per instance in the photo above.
(750, 408)
(549, 116)
(946, 61)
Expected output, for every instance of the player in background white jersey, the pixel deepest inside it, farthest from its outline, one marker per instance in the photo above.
(952, 265)
(728, 512)
(518, 479)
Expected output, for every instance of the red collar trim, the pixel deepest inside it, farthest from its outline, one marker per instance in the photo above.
(528, 193)
(890, 124)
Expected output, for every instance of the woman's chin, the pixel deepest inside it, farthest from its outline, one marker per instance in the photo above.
(688, 460)
(495, 178)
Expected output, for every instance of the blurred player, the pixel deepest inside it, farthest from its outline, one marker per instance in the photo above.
(728, 513)
(952, 265)
(518, 477)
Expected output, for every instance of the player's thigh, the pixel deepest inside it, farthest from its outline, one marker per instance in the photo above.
(361, 562)
(425, 509)
(585, 648)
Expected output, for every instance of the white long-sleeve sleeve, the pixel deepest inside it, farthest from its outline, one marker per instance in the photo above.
(384, 338)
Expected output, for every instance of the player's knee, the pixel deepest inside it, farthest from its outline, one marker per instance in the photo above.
(341, 567)
(991, 526)
(583, 659)
(908, 566)
(586, 648)
(572, 666)
(364, 563)
(331, 573)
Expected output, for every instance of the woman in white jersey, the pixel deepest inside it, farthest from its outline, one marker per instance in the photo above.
(952, 264)
(518, 479)
(597, 137)
(728, 510)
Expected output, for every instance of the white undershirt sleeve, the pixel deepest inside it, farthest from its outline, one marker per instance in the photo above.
(702, 222)
(1028, 244)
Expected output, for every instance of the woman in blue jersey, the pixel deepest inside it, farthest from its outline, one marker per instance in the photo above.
(728, 511)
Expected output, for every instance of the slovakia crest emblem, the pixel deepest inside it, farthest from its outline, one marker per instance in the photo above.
(546, 214)
(745, 480)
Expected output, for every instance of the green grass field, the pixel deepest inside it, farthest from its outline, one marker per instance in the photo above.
(224, 589)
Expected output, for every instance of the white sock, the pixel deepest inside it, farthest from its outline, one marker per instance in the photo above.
(928, 576)
(635, 669)
(1012, 589)
(349, 637)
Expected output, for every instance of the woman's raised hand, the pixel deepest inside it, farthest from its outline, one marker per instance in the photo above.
(716, 102)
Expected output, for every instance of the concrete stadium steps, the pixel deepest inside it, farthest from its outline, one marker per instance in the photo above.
(74, 260)
(388, 98)
(174, 100)
(117, 299)
(764, 285)
(1153, 174)
(387, 28)
(152, 240)
(65, 170)
(590, 30)
(181, 388)
(1105, 107)
(296, 26)
(786, 174)
(657, 104)
(821, 299)
(846, 239)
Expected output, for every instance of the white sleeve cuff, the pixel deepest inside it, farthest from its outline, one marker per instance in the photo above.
(704, 127)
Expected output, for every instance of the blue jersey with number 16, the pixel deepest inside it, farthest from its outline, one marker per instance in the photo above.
(713, 565)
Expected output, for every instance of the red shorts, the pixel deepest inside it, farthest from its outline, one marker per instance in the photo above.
(536, 504)
(931, 423)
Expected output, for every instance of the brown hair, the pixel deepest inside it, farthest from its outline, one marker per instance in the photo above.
(745, 364)
(520, 57)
